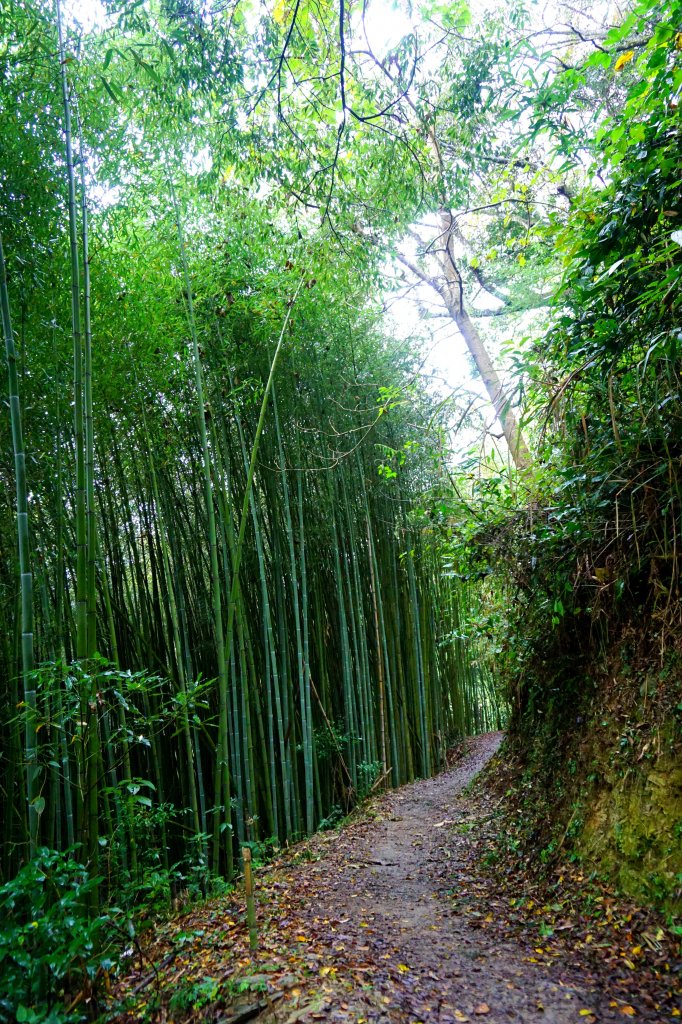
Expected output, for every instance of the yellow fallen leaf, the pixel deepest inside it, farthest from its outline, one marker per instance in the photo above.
(363, 924)
(586, 1013)
(324, 971)
(403, 968)
(624, 59)
(629, 1011)
(460, 1016)
(295, 992)
(481, 1009)
(301, 938)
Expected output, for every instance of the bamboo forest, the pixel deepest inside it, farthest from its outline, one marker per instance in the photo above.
(340, 647)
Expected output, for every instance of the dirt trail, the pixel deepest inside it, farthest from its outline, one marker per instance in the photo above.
(384, 891)
(387, 921)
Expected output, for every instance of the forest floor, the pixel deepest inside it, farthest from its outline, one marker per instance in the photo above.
(396, 918)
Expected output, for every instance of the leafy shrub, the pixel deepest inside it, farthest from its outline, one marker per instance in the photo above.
(49, 950)
(195, 996)
(334, 818)
(368, 773)
(264, 850)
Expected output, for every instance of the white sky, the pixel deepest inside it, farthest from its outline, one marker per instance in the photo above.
(86, 13)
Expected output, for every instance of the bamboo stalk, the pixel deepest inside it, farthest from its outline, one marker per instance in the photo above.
(25, 574)
(250, 901)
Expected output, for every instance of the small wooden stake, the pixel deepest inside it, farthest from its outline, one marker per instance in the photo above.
(250, 902)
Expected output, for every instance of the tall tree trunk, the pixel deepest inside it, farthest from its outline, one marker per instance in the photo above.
(454, 301)
(449, 286)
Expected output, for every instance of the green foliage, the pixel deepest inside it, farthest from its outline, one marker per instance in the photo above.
(195, 996)
(49, 949)
(333, 819)
(369, 772)
(264, 851)
(181, 739)
(600, 537)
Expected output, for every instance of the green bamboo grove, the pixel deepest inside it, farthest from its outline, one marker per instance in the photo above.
(223, 621)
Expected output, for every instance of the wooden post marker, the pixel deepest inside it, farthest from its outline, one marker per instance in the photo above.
(250, 902)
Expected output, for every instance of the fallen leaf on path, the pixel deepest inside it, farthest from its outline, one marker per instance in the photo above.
(481, 1009)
